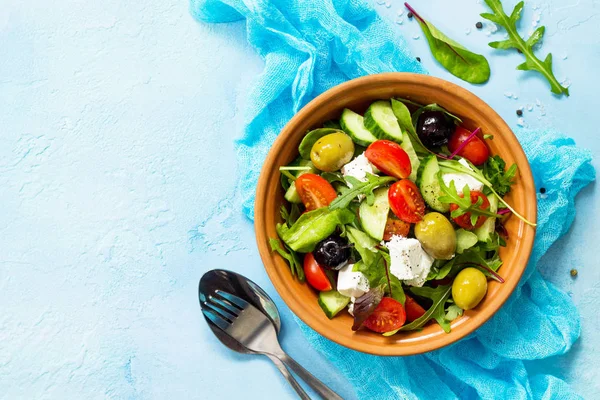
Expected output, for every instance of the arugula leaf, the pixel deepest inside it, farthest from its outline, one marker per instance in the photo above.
(291, 256)
(292, 216)
(464, 203)
(515, 41)
(459, 61)
(312, 227)
(357, 187)
(311, 138)
(333, 177)
(440, 269)
(494, 172)
(438, 296)
(455, 166)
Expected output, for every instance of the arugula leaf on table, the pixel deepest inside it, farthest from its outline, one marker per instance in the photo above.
(438, 296)
(356, 187)
(312, 227)
(293, 258)
(515, 41)
(460, 62)
(501, 179)
(464, 203)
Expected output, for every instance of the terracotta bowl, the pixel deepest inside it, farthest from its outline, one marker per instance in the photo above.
(357, 95)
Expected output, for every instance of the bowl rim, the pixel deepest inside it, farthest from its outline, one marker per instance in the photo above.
(309, 319)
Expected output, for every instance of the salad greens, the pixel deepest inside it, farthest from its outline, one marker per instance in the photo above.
(311, 138)
(515, 41)
(501, 179)
(465, 240)
(438, 296)
(335, 218)
(356, 188)
(312, 227)
(451, 165)
(460, 62)
(464, 202)
(291, 256)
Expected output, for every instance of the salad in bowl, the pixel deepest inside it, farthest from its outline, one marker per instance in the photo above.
(396, 216)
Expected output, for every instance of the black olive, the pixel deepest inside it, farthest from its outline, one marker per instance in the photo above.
(434, 128)
(332, 252)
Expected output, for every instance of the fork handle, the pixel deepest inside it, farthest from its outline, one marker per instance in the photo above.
(290, 378)
(319, 387)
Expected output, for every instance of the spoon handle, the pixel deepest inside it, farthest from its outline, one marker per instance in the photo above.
(319, 387)
(290, 378)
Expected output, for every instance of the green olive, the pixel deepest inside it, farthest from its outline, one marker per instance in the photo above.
(437, 236)
(332, 151)
(469, 287)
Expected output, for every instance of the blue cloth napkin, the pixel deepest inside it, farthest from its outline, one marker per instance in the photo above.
(308, 47)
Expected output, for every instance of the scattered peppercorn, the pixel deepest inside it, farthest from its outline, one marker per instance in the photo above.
(409, 15)
(519, 112)
(542, 190)
(419, 59)
(574, 272)
(479, 25)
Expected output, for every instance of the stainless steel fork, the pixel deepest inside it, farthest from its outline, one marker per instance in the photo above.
(246, 324)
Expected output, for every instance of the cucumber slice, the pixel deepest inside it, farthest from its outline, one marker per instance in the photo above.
(381, 121)
(412, 155)
(429, 185)
(353, 124)
(373, 218)
(291, 194)
(484, 232)
(332, 302)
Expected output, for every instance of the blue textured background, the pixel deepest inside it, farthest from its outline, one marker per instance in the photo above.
(117, 173)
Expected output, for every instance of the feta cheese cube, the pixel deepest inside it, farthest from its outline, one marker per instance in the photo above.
(409, 262)
(352, 283)
(460, 179)
(358, 168)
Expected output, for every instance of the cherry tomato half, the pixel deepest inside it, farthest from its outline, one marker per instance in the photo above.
(315, 274)
(314, 191)
(389, 158)
(413, 309)
(406, 201)
(475, 150)
(464, 221)
(395, 226)
(389, 315)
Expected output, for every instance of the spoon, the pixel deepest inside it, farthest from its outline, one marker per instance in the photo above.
(251, 292)
(218, 285)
